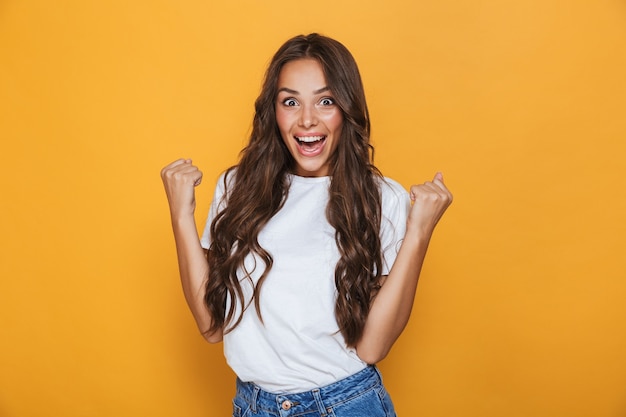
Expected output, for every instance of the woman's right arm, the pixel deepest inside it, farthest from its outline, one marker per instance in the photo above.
(180, 178)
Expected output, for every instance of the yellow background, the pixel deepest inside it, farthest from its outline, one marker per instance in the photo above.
(521, 308)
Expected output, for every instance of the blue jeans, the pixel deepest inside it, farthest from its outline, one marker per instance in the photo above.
(359, 395)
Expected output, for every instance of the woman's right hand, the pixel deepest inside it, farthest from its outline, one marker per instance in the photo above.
(180, 178)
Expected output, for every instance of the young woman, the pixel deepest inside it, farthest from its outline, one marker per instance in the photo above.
(311, 257)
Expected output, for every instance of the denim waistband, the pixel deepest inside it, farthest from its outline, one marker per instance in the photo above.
(316, 400)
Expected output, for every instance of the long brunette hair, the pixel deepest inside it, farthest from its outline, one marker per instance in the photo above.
(257, 188)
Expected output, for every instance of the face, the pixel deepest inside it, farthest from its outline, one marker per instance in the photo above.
(308, 119)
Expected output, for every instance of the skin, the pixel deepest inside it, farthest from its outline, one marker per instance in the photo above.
(304, 107)
(392, 306)
(180, 179)
(306, 111)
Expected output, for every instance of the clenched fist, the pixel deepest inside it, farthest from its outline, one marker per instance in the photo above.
(430, 200)
(180, 178)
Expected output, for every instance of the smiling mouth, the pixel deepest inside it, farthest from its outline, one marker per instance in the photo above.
(309, 139)
(310, 143)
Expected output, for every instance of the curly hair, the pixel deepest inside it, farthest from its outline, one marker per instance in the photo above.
(354, 207)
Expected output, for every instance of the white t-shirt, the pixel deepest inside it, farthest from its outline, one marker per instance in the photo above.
(298, 346)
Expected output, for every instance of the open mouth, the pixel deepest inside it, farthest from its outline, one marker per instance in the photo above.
(310, 144)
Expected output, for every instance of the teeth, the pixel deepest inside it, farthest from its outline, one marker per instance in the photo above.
(309, 138)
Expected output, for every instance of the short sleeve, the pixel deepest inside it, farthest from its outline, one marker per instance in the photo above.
(395, 205)
(217, 204)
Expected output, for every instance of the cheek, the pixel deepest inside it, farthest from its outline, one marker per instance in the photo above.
(335, 122)
(283, 120)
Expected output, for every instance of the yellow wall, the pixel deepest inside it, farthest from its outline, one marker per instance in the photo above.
(522, 104)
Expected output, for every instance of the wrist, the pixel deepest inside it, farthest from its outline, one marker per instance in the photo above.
(418, 234)
(183, 219)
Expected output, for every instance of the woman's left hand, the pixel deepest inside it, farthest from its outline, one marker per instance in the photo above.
(391, 308)
(430, 200)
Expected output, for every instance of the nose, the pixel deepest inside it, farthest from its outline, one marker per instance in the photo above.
(308, 116)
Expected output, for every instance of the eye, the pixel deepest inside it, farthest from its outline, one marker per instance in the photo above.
(290, 102)
(327, 101)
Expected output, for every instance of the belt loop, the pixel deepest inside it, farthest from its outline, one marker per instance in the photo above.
(378, 373)
(255, 397)
(319, 402)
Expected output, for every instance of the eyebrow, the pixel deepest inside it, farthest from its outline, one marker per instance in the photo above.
(290, 91)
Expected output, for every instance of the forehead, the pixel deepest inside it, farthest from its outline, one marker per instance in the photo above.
(306, 73)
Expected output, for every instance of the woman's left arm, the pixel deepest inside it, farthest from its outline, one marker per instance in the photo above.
(392, 305)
